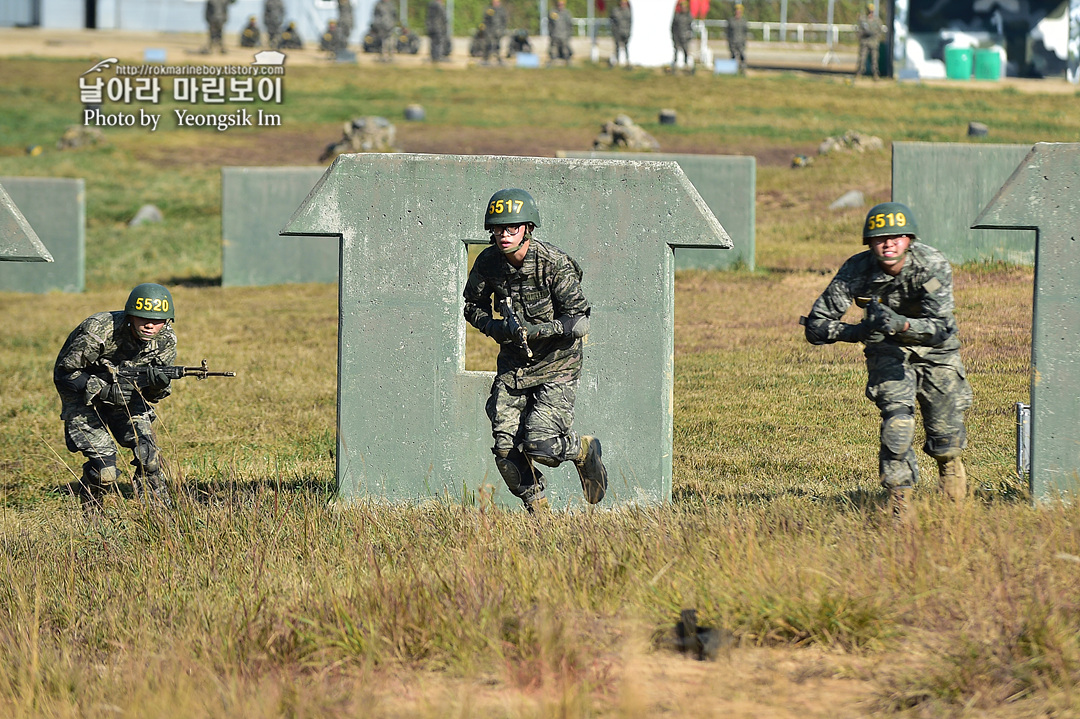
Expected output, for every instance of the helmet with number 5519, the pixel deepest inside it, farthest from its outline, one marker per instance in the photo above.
(888, 219)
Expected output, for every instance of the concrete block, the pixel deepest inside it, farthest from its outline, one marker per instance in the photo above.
(411, 421)
(56, 210)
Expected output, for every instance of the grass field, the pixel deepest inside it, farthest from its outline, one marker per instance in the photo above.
(260, 596)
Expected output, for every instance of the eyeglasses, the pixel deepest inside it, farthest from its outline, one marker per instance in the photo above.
(508, 229)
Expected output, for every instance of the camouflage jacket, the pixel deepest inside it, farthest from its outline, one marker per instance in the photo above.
(621, 20)
(495, 21)
(436, 18)
(546, 286)
(384, 18)
(102, 338)
(560, 25)
(682, 29)
(868, 28)
(273, 14)
(737, 31)
(922, 292)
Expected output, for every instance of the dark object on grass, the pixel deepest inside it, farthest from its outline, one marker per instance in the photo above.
(700, 642)
(977, 129)
(667, 117)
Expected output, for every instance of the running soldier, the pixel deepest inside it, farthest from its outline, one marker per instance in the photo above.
(911, 346)
(537, 289)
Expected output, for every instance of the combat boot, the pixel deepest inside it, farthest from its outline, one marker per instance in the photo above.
(591, 470)
(952, 478)
(152, 489)
(902, 506)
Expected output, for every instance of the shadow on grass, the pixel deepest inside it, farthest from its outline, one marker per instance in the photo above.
(193, 281)
(217, 491)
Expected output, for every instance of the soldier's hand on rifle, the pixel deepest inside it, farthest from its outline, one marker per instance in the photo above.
(499, 330)
(117, 393)
(883, 319)
(156, 379)
(543, 330)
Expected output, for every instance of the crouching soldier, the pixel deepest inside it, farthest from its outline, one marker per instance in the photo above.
(96, 400)
(537, 290)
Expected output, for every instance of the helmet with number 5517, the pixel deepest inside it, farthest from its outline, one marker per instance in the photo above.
(511, 207)
(888, 219)
(150, 301)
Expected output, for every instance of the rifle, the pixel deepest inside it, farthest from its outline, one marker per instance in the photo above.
(515, 326)
(139, 376)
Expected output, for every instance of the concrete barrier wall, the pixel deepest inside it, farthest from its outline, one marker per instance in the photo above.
(727, 183)
(56, 210)
(256, 202)
(947, 185)
(411, 421)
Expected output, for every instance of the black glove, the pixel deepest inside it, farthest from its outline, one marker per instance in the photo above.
(499, 330)
(543, 330)
(156, 379)
(882, 318)
(116, 393)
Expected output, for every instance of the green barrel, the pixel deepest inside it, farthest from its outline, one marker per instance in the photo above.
(958, 62)
(987, 64)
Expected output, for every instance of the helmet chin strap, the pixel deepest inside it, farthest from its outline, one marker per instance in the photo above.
(515, 248)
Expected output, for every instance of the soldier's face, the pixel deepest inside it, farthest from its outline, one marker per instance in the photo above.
(507, 236)
(890, 249)
(145, 328)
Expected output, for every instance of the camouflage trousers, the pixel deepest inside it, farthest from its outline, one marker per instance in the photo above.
(898, 378)
(536, 422)
(867, 51)
(90, 430)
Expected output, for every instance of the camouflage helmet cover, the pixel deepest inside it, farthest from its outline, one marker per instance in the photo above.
(888, 219)
(150, 301)
(511, 207)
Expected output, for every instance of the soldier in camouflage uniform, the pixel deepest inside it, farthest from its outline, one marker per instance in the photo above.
(494, 30)
(345, 23)
(95, 401)
(384, 20)
(682, 32)
(621, 19)
(911, 346)
(437, 30)
(531, 406)
(273, 17)
(560, 28)
(737, 31)
(290, 38)
(217, 14)
(250, 35)
(869, 31)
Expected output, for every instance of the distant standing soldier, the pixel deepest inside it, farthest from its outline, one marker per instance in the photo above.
(911, 346)
(869, 31)
(250, 35)
(437, 30)
(217, 14)
(290, 38)
(95, 401)
(384, 20)
(736, 38)
(682, 32)
(345, 23)
(531, 405)
(273, 17)
(560, 28)
(495, 29)
(621, 19)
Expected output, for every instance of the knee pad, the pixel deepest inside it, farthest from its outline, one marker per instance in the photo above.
(898, 432)
(544, 451)
(946, 447)
(146, 457)
(101, 470)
